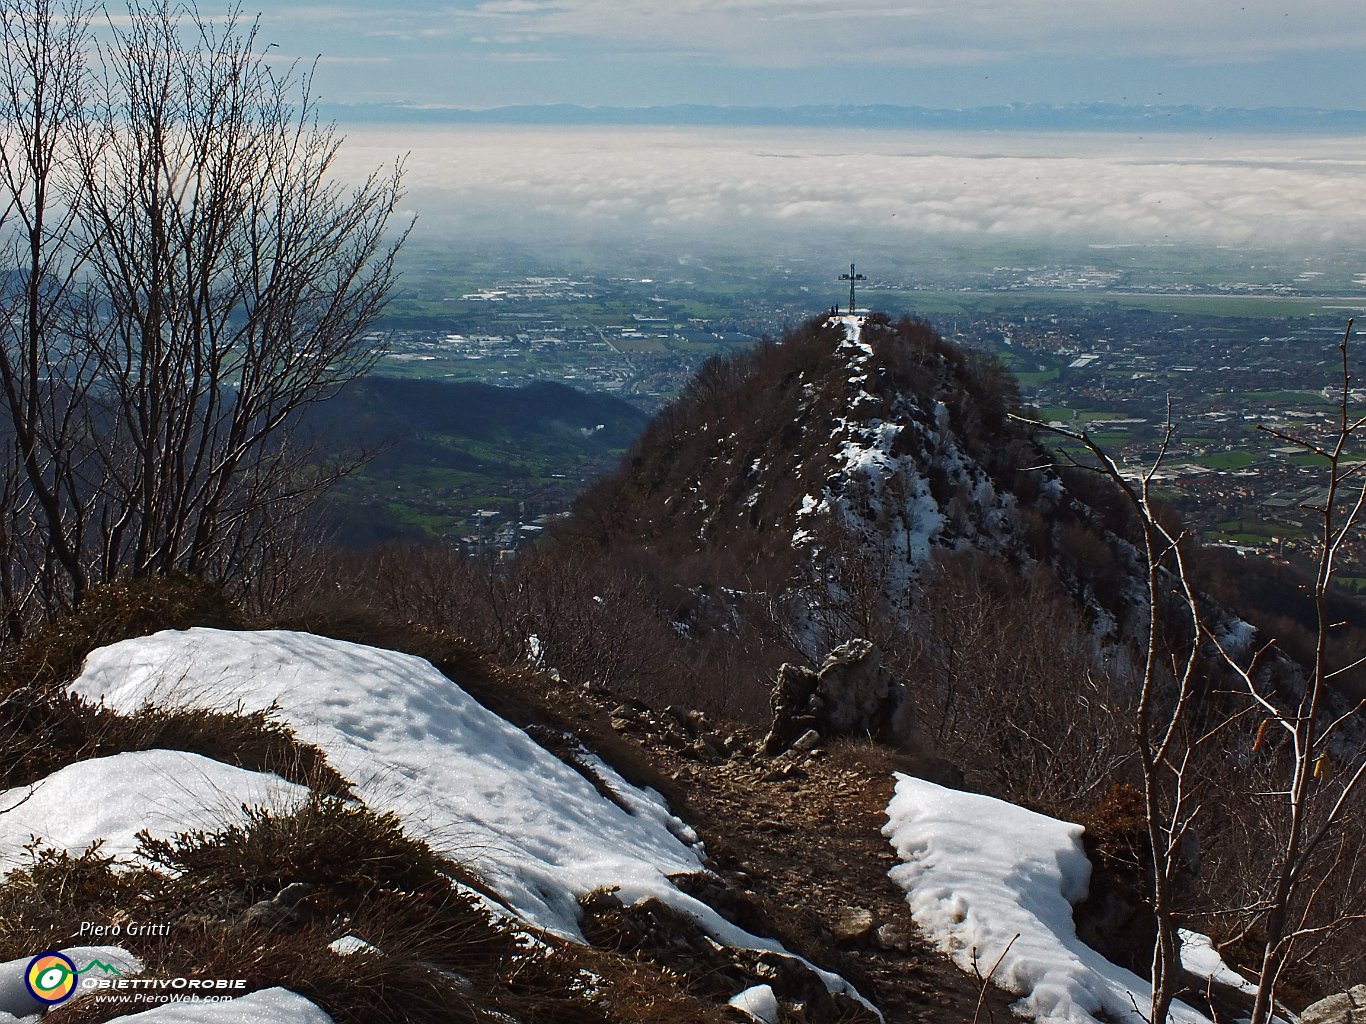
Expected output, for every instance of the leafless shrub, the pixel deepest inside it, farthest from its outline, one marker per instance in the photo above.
(190, 277)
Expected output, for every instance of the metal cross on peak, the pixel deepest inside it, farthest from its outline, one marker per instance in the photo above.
(851, 277)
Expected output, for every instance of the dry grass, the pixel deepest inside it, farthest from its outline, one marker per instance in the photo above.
(52, 655)
(43, 904)
(43, 729)
(342, 847)
(435, 953)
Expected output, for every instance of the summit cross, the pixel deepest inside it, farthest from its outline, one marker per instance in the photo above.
(851, 277)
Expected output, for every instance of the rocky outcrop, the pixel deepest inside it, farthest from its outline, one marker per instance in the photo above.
(1344, 1008)
(852, 693)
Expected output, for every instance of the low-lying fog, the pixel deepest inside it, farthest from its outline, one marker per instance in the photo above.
(518, 183)
(851, 193)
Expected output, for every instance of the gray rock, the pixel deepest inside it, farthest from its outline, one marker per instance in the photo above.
(893, 936)
(279, 908)
(1344, 1008)
(713, 746)
(293, 893)
(855, 924)
(678, 715)
(851, 693)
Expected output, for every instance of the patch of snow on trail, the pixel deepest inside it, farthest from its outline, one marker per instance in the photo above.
(853, 334)
(760, 1003)
(982, 875)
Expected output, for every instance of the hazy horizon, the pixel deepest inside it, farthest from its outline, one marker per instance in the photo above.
(481, 53)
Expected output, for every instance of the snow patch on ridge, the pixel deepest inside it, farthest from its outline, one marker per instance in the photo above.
(411, 741)
(112, 798)
(878, 481)
(471, 784)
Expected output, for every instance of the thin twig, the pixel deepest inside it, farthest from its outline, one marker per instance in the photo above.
(982, 993)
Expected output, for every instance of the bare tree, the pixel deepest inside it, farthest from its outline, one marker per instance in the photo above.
(45, 375)
(1316, 800)
(1166, 687)
(193, 277)
(1299, 902)
(241, 280)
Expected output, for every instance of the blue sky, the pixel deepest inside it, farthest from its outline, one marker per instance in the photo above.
(939, 53)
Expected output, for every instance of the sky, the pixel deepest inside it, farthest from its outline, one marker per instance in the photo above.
(935, 53)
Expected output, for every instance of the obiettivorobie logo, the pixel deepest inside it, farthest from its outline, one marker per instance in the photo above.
(53, 977)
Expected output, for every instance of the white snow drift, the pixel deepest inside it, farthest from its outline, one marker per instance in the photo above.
(990, 881)
(109, 799)
(412, 742)
(469, 783)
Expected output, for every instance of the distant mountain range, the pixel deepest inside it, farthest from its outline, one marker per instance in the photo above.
(1015, 116)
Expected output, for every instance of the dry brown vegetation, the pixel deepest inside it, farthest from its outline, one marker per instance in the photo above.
(263, 901)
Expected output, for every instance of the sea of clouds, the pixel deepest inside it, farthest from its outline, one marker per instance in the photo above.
(1260, 191)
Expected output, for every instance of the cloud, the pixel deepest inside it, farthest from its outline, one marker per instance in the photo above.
(787, 32)
(1081, 189)
(928, 52)
(325, 59)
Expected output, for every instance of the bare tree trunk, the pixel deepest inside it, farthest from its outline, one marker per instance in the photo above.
(1310, 734)
(1161, 712)
(45, 369)
(192, 277)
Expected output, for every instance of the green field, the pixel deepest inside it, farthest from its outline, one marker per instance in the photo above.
(1229, 460)
(994, 302)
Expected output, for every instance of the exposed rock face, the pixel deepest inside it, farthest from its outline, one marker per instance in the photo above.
(1344, 1008)
(851, 693)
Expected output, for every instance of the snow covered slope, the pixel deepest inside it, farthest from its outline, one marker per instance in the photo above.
(472, 785)
(879, 482)
(469, 783)
(848, 455)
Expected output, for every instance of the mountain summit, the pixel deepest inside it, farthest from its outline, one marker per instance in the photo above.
(838, 460)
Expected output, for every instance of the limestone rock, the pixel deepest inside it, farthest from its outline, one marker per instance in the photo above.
(893, 936)
(1344, 1008)
(851, 693)
(854, 925)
